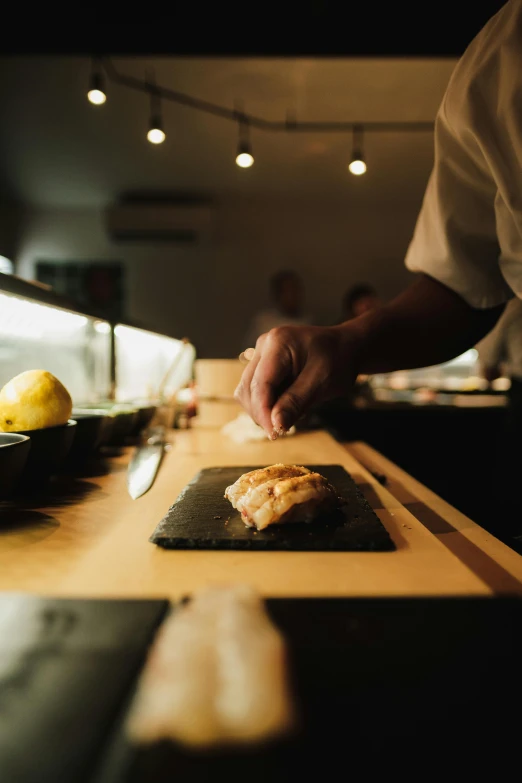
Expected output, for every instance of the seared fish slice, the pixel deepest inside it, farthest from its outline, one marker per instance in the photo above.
(216, 674)
(295, 499)
(256, 477)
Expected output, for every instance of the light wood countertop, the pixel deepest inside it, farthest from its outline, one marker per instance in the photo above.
(94, 541)
(497, 564)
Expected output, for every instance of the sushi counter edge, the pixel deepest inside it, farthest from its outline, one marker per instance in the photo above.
(93, 540)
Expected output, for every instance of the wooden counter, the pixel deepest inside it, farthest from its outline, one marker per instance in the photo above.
(91, 539)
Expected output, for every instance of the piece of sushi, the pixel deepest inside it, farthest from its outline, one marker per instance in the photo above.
(256, 477)
(216, 674)
(279, 501)
(280, 494)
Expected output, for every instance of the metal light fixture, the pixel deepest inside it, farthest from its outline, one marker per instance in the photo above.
(96, 93)
(357, 164)
(105, 69)
(155, 134)
(244, 157)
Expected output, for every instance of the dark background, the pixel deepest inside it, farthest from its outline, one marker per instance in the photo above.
(311, 27)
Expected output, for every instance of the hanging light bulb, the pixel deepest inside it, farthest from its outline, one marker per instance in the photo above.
(96, 93)
(244, 157)
(155, 134)
(357, 164)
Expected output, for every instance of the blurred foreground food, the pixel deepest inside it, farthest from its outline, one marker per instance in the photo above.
(217, 674)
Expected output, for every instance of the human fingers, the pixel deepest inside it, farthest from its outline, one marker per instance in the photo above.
(273, 368)
(298, 397)
(242, 392)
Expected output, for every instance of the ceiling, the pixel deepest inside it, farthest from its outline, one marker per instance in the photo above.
(275, 28)
(56, 149)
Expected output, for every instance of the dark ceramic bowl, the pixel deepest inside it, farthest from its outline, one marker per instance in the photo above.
(14, 450)
(93, 428)
(123, 423)
(124, 419)
(145, 416)
(49, 448)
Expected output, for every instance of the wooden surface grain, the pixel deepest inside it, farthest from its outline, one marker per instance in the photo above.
(91, 539)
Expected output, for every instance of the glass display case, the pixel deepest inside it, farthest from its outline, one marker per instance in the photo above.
(93, 358)
(150, 366)
(74, 347)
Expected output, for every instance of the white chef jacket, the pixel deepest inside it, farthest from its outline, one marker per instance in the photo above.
(469, 232)
(503, 346)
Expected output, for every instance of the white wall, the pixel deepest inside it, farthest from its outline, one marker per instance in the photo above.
(208, 292)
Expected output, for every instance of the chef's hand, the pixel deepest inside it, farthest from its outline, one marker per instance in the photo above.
(293, 368)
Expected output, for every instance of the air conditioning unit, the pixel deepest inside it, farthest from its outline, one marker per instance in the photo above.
(160, 221)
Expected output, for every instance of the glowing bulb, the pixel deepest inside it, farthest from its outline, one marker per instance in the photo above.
(97, 97)
(357, 164)
(357, 167)
(245, 159)
(96, 93)
(156, 136)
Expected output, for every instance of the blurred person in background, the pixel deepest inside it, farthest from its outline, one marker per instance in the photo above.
(287, 295)
(358, 300)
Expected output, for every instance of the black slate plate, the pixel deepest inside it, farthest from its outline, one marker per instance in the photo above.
(393, 683)
(29, 622)
(201, 518)
(66, 667)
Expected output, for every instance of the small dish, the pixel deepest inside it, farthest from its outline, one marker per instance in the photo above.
(124, 418)
(49, 447)
(145, 415)
(93, 428)
(14, 451)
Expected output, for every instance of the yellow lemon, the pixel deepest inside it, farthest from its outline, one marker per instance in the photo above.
(33, 400)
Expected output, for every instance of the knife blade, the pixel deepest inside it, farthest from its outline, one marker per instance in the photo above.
(145, 462)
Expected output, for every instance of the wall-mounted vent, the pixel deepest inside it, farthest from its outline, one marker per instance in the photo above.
(160, 220)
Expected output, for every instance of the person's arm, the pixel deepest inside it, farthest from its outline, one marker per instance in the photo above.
(455, 248)
(427, 324)
(296, 367)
